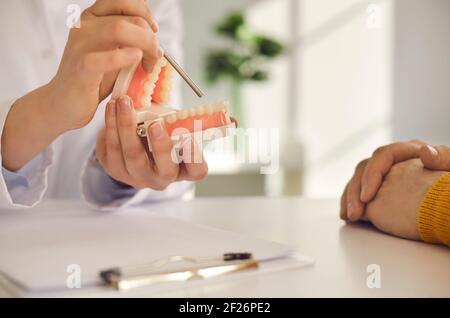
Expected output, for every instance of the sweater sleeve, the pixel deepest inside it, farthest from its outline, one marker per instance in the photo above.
(434, 213)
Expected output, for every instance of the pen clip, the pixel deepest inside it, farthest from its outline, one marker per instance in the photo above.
(141, 276)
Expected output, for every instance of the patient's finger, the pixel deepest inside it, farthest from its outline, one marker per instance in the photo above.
(435, 157)
(381, 162)
(355, 208)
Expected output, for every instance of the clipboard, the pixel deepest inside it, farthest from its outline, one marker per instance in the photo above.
(36, 250)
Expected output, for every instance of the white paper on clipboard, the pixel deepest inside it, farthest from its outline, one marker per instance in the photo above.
(37, 248)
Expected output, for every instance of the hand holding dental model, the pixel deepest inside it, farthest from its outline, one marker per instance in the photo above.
(113, 34)
(149, 93)
(123, 154)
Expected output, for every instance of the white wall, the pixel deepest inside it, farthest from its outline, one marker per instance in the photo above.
(200, 17)
(265, 103)
(268, 16)
(344, 90)
(356, 87)
(422, 71)
(341, 92)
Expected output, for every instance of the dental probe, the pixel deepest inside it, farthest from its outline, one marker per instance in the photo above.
(184, 75)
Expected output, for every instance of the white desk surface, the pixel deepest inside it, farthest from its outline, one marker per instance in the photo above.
(342, 252)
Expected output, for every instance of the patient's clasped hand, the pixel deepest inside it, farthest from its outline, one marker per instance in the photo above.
(404, 190)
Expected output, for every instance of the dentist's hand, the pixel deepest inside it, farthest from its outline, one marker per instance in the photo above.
(113, 34)
(370, 173)
(124, 157)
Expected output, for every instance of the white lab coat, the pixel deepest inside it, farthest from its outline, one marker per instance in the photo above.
(33, 37)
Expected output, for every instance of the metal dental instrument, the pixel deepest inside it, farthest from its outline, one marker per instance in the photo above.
(184, 75)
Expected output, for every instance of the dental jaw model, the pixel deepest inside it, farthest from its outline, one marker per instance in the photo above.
(150, 95)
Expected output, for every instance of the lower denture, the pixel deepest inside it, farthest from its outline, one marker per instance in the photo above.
(204, 122)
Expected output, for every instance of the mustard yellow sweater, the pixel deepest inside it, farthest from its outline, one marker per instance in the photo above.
(434, 213)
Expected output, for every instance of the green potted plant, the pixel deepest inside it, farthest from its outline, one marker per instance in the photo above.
(242, 60)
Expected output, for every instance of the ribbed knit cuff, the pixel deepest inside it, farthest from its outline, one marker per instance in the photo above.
(434, 213)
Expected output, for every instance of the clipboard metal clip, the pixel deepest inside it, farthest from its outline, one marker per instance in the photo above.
(123, 279)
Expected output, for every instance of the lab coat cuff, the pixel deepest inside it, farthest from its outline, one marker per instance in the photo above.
(27, 186)
(103, 193)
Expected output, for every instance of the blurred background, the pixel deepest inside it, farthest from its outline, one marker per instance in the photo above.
(350, 75)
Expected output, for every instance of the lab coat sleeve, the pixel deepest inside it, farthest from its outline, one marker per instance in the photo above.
(103, 193)
(26, 187)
